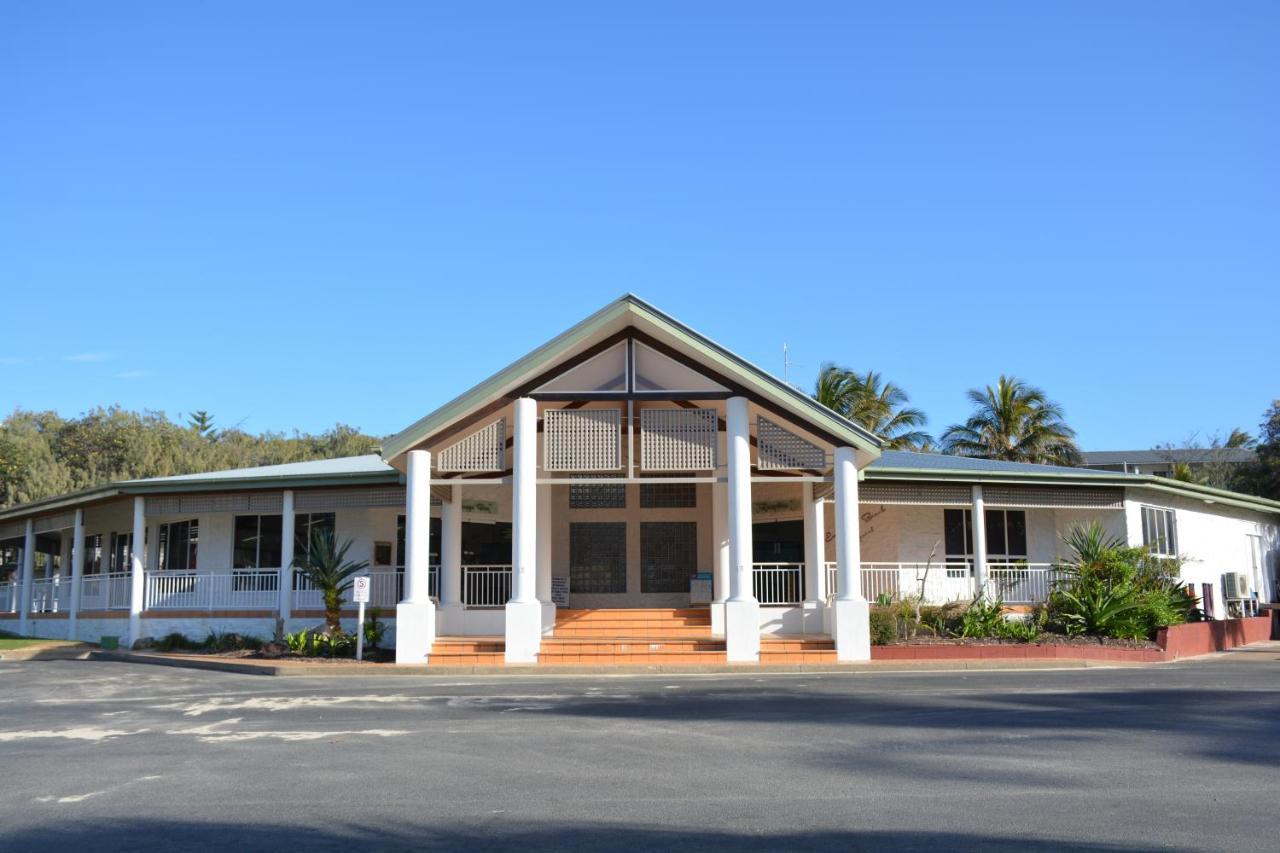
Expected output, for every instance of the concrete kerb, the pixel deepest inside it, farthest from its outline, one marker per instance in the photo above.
(256, 667)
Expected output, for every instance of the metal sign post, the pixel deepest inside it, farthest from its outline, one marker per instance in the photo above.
(360, 592)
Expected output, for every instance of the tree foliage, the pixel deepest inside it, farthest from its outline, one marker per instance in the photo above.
(871, 402)
(1014, 422)
(1262, 476)
(43, 454)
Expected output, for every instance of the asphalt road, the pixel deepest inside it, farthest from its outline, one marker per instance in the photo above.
(112, 756)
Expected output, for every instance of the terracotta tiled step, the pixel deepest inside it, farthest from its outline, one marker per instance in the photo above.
(621, 650)
(647, 622)
(468, 651)
(797, 650)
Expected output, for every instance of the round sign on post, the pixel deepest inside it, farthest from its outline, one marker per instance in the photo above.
(361, 590)
(360, 594)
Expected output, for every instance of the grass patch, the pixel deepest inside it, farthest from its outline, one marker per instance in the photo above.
(11, 643)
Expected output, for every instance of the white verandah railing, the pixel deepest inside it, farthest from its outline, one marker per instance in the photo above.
(105, 592)
(486, 586)
(778, 583)
(942, 583)
(242, 589)
(8, 597)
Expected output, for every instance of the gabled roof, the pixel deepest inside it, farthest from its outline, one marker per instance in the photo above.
(1175, 454)
(631, 310)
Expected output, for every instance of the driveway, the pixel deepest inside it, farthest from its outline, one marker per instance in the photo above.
(116, 756)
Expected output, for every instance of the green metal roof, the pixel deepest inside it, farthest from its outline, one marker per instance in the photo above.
(625, 311)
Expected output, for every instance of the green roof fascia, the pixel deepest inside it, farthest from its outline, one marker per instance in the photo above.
(1145, 481)
(735, 365)
(459, 406)
(778, 391)
(1208, 494)
(161, 487)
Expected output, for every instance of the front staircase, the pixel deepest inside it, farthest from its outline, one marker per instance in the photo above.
(605, 637)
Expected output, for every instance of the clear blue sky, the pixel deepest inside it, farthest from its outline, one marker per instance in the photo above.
(291, 214)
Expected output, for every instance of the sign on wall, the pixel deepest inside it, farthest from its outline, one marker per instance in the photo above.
(560, 591)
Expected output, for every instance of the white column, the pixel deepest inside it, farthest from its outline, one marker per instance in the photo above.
(28, 577)
(979, 518)
(815, 561)
(416, 614)
(137, 570)
(741, 610)
(523, 612)
(852, 613)
(287, 533)
(544, 560)
(451, 609)
(720, 555)
(77, 568)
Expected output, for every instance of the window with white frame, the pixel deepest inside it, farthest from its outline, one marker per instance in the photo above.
(257, 542)
(121, 556)
(1160, 531)
(179, 542)
(93, 554)
(1006, 537)
(305, 528)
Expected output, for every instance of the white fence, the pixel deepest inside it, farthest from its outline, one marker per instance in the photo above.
(942, 583)
(247, 589)
(486, 586)
(386, 589)
(8, 598)
(778, 583)
(105, 592)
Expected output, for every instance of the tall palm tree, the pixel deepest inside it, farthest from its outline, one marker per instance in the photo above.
(326, 565)
(871, 402)
(1015, 422)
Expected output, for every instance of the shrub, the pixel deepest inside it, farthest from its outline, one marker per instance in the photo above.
(335, 644)
(300, 643)
(884, 626)
(176, 641)
(983, 618)
(229, 641)
(374, 629)
(1023, 631)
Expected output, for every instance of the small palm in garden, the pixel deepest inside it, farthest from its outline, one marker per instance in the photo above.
(327, 567)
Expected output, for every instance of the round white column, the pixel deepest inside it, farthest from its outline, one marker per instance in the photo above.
(287, 533)
(77, 569)
(451, 610)
(852, 613)
(416, 613)
(741, 610)
(28, 577)
(721, 565)
(815, 565)
(523, 612)
(137, 569)
(978, 516)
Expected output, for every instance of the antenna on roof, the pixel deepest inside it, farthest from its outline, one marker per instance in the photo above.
(787, 364)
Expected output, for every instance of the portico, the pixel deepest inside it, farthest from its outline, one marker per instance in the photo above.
(658, 439)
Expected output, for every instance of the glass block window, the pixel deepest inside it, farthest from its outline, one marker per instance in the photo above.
(595, 496)
(668, 555)
(598, 557)
(668, 495)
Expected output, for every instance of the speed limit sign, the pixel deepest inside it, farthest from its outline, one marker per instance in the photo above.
(361, 589)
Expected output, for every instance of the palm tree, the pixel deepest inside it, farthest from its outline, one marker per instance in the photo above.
(871, 402)
(1014, 422)
(329, 571)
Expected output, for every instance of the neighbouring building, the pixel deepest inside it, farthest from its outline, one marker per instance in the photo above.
(630, 485)
(1161, 462)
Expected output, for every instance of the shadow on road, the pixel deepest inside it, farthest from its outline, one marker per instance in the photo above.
(137, 836)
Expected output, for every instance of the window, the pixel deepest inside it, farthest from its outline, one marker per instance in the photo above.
(668, 555)
(121, 553)
(1159, 531)
(256, 543)
(1006, 536)
(93, 554)
(668, 495)
(598, 557)
(306, 526)
(178, 545)
(597, 496)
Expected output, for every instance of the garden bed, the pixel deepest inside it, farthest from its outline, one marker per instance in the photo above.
(1042, 640)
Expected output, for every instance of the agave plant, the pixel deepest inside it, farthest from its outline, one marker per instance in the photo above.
(327, 567)
(1090, 543)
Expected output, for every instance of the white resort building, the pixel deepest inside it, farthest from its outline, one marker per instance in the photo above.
(630, 491)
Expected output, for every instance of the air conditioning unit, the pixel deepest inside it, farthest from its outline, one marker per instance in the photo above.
(1235, 585)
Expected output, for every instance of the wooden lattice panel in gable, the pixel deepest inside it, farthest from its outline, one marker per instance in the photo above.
(483, 450)
(678, 439)
(779, 448)
(582, 440)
